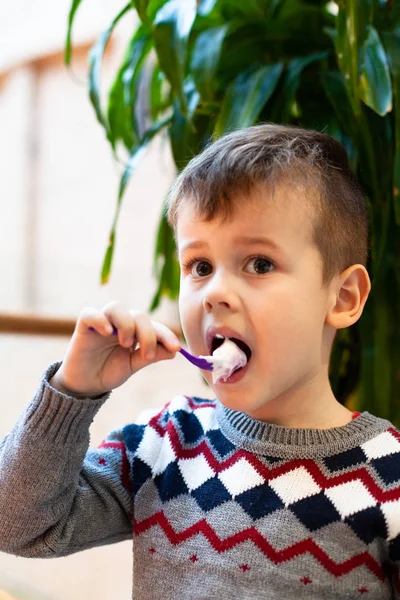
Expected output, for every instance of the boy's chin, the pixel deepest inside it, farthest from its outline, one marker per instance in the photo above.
(237, 402)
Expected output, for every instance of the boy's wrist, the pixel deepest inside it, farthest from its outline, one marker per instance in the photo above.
(56, 383)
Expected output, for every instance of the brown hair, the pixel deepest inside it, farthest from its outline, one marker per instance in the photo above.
(267, 154)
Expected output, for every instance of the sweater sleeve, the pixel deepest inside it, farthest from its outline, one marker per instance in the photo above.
(57, 495)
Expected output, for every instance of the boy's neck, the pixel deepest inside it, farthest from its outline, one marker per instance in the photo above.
(325, 414)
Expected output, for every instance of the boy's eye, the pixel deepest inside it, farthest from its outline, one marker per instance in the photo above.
(261, 260)
(203, 266)
(200, 271)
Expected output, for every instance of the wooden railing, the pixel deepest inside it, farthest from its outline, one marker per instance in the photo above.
(34, 324)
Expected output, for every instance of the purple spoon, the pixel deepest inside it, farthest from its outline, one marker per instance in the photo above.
(202, 363)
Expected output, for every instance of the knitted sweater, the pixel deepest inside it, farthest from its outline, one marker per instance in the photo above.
(217, 504)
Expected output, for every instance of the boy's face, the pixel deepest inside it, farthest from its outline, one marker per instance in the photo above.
(279, 309)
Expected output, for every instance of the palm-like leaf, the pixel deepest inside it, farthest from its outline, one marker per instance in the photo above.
(223, 64)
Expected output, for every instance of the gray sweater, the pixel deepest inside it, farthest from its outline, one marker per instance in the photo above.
(218, 505)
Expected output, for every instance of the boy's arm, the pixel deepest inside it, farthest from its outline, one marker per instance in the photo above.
(56, 495)
(394, 556)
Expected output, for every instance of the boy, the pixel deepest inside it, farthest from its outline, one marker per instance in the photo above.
(272, 490)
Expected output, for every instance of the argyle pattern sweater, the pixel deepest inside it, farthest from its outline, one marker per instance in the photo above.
(217, 505)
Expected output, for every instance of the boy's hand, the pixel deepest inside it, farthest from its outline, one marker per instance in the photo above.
(98, 361)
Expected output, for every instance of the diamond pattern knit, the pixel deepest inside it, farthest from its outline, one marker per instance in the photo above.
(217, 504)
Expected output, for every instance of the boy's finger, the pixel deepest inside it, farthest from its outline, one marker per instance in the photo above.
(138, 362)
(145, 334)
(122, 320)
(91, 318)
(167, 337)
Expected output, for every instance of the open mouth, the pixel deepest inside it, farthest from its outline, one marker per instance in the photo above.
(217, 342)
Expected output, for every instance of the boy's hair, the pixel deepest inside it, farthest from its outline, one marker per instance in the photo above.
(268, 154)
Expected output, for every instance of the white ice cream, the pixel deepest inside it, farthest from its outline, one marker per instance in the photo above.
(226, 359)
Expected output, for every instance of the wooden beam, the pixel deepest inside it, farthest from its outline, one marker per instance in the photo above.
(34, 324)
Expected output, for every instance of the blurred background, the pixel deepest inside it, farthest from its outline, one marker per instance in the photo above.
(58, 189)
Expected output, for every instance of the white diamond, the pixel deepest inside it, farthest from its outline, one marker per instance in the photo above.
(351, 497)
(195, 471)
(179, 402)
(165, 457)
(207, 417)
(240, 477)
(381, 445)
(294, 486)
(149, 448)
(391, 511)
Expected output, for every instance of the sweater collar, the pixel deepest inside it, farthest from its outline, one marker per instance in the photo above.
(290, 442)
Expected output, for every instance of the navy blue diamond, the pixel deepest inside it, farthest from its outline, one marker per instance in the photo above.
(170, 483)
(394, 549)
(197, 400)
(133, 435)
(350, 458)
(219, 442)
(259, 501)
(315, 512)
(388, 467)
(140, 473)
(368, 524)
(210, 494)
(189, 426)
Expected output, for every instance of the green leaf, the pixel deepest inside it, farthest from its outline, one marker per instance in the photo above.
(205, 60)
(95, 61)
(184, 136)
(141, 7)
(132, 75)
(347, 45)
(192, 97)
(158, 93)
(293, 78)
(335, 88)
(244, 48)
(246, 96)
(251, 9)
(205, 7)
(383, 366)
(391, 41)
(153, 7)
(375, 84)
(165, 265)
(131, 165)
(171, 30)
(68, 43)
(119, 126)
(122, 96)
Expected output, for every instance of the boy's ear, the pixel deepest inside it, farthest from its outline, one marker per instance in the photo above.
(348, 296)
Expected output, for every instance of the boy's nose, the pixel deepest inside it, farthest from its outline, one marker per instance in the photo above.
(220, 293)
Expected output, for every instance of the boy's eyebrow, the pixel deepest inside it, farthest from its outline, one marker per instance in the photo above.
(242, 239)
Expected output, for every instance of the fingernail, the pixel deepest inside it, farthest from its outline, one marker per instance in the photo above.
(150, 354)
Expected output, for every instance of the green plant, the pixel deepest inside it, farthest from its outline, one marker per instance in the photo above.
(211, 66)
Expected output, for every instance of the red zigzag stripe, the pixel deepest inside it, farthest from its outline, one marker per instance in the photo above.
(281, 556)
